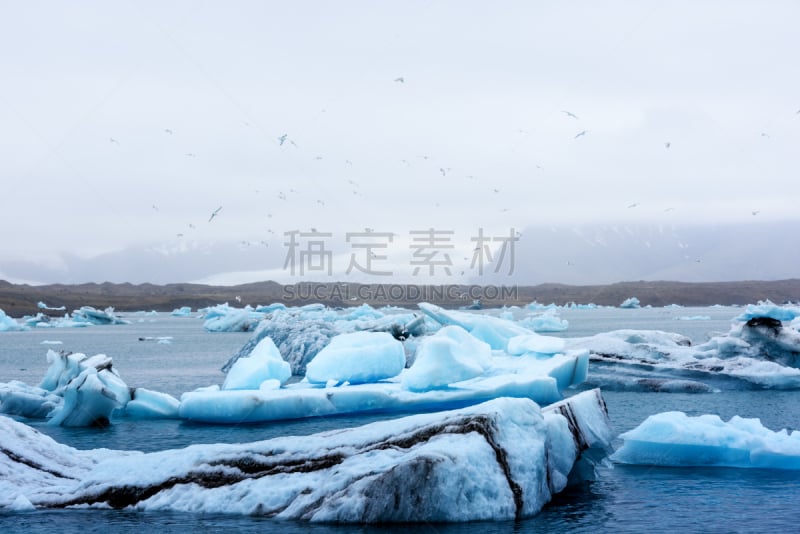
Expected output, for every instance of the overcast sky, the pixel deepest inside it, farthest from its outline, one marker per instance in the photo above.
(127, 124)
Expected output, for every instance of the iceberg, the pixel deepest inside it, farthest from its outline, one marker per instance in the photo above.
(262, 364)
(541, 379)
(9, 324)
(358, 358)
(766, 309)
(41, 320)
(495, 331)
(451, 355)
(760, 353)
(300, 333)
(535, 344)
(87, 314)
(500, 460)
(678, 440)
(224, 318)
(548, 321)
(183, 311)
(42, 306)
(20, 399)
(631, 302)
(80, 390)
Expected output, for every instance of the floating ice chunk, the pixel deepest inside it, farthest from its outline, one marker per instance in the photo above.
(42, 306)
(300, 333)
(545, 322)
(87, 402)
(18, 398)
(536, 344)
(621, 382)
(21, 504)
(451, 355)
(631, 302)
(493, 330)
(51, 342)
(755, 352)
(263, 363)
(183, 311)
(87, 314)
(298, 339)
(9, 324)
(769, 310)
(676, 439)
(694, 318)
(499, 460)
(538, 306)
(148, 404)
(224, 318)
(271, 307)
(357, 358)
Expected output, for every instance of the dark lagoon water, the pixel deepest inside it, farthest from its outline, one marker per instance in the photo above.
(622, 499)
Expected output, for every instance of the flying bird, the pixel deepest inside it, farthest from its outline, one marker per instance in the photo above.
(633, 205)
(569, 114)
(400, 79)
(667, 144)
(112, 140)
(282, 139)
(190, 155)
(167, 130)
(756, 212)
(579, 134)
(214, 214)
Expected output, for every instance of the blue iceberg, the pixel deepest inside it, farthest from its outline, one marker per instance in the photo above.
(677, 440)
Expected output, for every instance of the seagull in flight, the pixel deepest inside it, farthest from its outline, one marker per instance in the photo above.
(569, 114)
(167, 130)
(579, 134)
(667, 144)
(755, 212)
(633, 205)
(400, 79)
(282, 139)
(214, 214)
(112, 140)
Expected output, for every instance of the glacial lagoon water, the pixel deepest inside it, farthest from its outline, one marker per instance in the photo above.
(622, 499)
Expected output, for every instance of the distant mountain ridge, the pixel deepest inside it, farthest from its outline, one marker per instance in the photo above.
(20, 299)
(575, 254)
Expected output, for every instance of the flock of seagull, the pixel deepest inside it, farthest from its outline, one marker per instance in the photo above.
(284, 139)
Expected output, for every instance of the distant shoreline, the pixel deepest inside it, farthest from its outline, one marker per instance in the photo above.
(20, 299)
